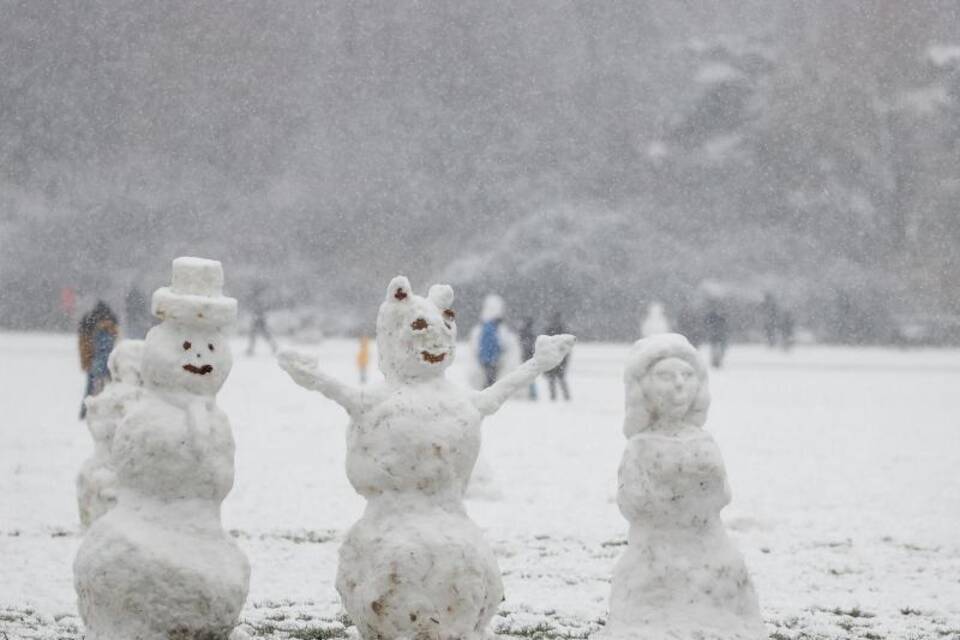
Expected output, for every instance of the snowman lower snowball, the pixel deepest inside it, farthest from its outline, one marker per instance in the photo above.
(159, 566)
(415, 565)
(681, 577)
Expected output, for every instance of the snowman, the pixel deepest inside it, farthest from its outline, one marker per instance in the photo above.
(415, 565)
(95, 490)
(681, 577)
(159, 566)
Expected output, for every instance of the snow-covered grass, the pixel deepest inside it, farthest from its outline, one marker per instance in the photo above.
(845, 468)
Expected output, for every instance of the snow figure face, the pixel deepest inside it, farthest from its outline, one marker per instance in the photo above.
(124, 362)
(416, 337)
(670, 387)
(190, 358)
(666, 384)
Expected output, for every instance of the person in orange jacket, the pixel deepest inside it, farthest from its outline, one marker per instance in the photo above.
(363, 358)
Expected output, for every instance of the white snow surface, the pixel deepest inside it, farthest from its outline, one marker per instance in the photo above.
(843, 465)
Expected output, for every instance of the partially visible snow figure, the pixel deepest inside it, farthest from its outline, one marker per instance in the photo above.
(415, 565)
(681, 576)
(510, 354)
(159, 565)
(95, 482)
(655, 322)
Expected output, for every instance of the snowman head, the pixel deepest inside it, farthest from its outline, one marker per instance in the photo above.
(124, 362)
(666, 383)
(182, 357)
(188, 351)
(416, 336)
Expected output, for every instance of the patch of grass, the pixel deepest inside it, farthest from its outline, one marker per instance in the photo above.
(318, 633)
(614, 543)
(855, 612)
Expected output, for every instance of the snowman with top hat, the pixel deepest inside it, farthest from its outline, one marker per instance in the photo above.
(159, 564)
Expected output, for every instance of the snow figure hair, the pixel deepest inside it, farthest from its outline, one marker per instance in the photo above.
(416, 336)
(644, 355)
(124, 362)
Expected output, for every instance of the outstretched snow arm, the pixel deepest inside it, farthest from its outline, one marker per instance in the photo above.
(548, 353)
(303, 369)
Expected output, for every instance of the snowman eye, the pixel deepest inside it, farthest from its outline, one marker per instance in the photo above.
(186, 345)
(210, 346)
(419, 324)
(449, 314)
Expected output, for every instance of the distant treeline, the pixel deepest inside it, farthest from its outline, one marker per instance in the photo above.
(588, 157)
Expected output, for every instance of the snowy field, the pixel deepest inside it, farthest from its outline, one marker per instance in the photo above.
(844, 464)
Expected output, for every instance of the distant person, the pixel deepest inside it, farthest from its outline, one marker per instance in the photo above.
(528, 339)
(770, 313)
(717, 333)
(68, 302)
(137, 317)
(495, 346)
(689, 324)
(97, 334)
(488, 353)
(558, 375)
(259, 325)
(363, 357)
(656, 321)
(787, 330)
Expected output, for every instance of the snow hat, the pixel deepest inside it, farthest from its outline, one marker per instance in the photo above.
(124, 362)
(643, 355)
(195, 295)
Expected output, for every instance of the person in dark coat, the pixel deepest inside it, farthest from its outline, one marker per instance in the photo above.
(259, 325)
(770, 313)
(787, 328)
(97, 334)
(558, 375)
(137, 318)
(717, 333)
(528, 341)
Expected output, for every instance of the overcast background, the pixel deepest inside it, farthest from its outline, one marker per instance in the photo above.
(589, 157)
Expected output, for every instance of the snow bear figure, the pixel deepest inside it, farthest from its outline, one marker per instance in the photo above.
(95, 490)
(681, 576)
(415, 565)
(159, 565)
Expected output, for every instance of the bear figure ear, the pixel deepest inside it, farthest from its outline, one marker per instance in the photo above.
(399, 290)
(441, 295)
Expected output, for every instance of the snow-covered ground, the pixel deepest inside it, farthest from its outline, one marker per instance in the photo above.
(844, 464)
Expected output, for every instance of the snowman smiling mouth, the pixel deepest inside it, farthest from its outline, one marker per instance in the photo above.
(200, 371)
(431, 358)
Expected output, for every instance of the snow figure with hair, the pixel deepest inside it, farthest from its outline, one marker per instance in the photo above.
(681, 576)
(415, 565)
(159, 565)
(95, 482)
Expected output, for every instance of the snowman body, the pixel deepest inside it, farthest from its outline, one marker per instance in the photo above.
(159, 564)
(415, 564)
(96, 493)
(681, 577)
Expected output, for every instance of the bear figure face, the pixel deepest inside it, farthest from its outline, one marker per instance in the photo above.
(181, 357)
(416, 336)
